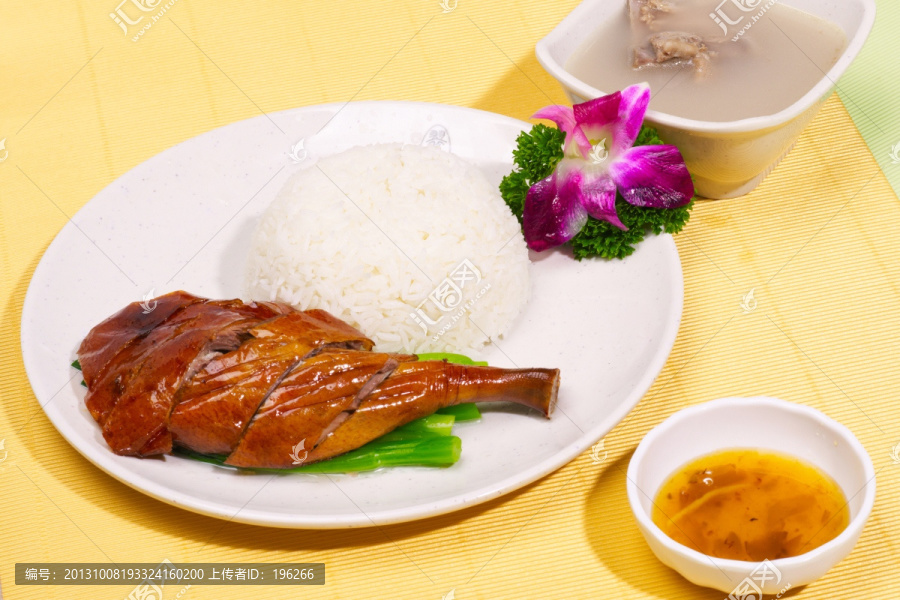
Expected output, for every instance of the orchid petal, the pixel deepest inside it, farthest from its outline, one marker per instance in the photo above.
(553, 213)
(599, 112)
(564, 118)
(581, 141)
(653, 176)
(635, 100)
(617, 117)
(598, 196)
(596, 119)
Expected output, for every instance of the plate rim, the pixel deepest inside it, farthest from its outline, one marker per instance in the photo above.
(363, 518)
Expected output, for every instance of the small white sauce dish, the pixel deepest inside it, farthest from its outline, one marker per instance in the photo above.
(727, 159)
(757, 423)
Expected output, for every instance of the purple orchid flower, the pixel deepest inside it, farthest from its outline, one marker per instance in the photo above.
(600, 159)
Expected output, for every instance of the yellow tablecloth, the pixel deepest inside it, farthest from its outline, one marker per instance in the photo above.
(817, 243)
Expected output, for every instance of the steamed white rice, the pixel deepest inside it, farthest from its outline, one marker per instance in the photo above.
(410, 244)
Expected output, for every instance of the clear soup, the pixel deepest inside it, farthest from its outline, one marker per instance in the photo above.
(757, 68)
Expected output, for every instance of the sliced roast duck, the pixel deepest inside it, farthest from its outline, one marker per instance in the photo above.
(252, 380)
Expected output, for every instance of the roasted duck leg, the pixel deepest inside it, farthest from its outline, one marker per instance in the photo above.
(308, 403)
(260, 382)
(331, 418)
(416, 390)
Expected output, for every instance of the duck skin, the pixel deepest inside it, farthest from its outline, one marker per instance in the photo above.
(256, 382)
(309, 403)
(214, 407)
(333, 421)
(124, 328)
(416, 390)
(141, 388)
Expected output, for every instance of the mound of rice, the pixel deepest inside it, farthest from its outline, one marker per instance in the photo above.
(410, 244)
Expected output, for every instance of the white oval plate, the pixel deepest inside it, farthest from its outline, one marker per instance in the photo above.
(183, 219)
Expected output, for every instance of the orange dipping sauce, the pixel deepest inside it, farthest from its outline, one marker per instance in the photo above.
(750, 505)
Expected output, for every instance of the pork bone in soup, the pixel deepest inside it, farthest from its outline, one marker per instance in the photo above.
(697, 71)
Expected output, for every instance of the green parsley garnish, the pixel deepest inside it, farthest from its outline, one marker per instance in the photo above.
(537, 154)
